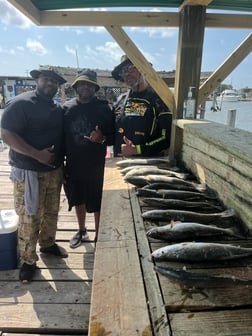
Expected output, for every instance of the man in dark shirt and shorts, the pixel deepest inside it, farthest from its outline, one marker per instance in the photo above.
(89, 128)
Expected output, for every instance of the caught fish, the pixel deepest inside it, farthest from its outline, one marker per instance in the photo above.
(186, 216)
(180, 204)
(198, 252)
(155, 171)
(174, 194)
(181, 231)
(200, 280)
(166, 185)
(125, 170)
(137, 161)
(142, 180)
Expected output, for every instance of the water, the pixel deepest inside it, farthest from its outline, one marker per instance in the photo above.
(243, 114)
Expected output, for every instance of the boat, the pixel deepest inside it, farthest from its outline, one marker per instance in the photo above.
(228, 95)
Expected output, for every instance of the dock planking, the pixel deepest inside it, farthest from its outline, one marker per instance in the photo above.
(115, 290)
(57, 302)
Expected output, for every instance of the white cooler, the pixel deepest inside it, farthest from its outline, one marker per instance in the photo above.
(8, 239)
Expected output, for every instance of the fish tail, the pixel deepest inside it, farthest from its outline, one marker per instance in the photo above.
(228, 213)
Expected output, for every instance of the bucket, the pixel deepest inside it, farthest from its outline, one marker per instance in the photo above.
(8, 239)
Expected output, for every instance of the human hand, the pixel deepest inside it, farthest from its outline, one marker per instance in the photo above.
(46, 156)
(128, 148)
(96, 136)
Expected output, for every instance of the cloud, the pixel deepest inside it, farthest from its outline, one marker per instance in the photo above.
(157, 32)
(11, 16)
(36, 47)
(71, 51)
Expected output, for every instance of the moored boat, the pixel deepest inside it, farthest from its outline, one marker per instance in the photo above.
(228, 95)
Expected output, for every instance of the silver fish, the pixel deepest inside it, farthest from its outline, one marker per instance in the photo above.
(181, 231)
(155, 171)
(200, 280)
(180, 204)
(174, 194)
(198, 252)
(158, 166)
(137, 161)
(186, 216)
(142, 180)
(165, 185)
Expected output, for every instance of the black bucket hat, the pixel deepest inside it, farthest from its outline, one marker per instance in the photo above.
(49, 73)
(88, 76)
(117, 70)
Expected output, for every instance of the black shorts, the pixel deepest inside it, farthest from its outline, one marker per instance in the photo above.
(87, 190)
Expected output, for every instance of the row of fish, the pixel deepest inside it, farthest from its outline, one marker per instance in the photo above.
(188, 213)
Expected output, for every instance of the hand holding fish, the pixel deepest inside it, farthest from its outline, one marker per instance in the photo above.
(128, 148)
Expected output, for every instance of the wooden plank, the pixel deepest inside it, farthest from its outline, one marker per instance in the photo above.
(224, 323)
(42, 316)
(153, 291)
(119, 305)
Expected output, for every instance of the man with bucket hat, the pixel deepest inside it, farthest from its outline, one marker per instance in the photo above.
(143, 125)
(32, 126)
(89, 128)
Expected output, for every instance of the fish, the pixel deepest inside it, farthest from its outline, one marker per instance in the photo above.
(180, 204)
(142, 180)
(156, 171)
(165, 185)
(180, 231)
(186, 216)
(125, 170)
(137, 161)
(200, 252)
(198, 279)
(175, 194)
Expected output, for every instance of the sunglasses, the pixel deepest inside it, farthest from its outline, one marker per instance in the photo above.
(128, 69)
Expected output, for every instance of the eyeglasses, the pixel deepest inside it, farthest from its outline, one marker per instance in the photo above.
(128, 69)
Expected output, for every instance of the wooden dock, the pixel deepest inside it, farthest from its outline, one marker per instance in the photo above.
(114, 290)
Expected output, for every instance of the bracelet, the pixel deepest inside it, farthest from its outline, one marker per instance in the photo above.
(104, 140)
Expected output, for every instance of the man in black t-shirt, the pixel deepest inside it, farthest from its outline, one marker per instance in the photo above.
(89, 128)
(143, 126)
(32, 126)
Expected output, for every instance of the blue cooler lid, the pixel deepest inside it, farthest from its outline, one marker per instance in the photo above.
(8, 221)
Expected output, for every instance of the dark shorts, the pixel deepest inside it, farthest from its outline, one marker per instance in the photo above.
(87, 190)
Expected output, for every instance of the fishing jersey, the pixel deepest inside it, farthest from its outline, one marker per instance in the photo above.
(146, 121)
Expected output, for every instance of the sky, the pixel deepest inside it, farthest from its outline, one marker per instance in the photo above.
(25, 46)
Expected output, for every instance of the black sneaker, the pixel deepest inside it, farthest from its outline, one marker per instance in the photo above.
(27, 272)
(78, 238)
(55, 250)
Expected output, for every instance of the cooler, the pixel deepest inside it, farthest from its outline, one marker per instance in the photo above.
(8, 239)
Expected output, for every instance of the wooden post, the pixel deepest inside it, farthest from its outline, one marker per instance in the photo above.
(231, 118)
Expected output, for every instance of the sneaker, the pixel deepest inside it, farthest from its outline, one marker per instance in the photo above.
(78, 238)
(55, 250)
(27, 272)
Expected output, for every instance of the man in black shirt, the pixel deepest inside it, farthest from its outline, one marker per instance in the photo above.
(143, 125)
(32, 125)
(89, 128)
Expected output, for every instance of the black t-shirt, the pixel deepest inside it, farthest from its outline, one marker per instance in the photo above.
(80, 120)
(39, 121)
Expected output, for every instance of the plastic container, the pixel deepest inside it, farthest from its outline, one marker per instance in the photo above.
(8, 239)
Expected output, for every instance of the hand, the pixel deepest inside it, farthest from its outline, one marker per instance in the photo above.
(128, 148)
(95, 136)
(46, 156)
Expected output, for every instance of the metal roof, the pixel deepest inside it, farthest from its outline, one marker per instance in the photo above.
(227, 5)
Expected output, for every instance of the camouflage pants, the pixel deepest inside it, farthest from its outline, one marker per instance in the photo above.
(41, 227)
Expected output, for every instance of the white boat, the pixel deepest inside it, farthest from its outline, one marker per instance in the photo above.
(228, 95)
